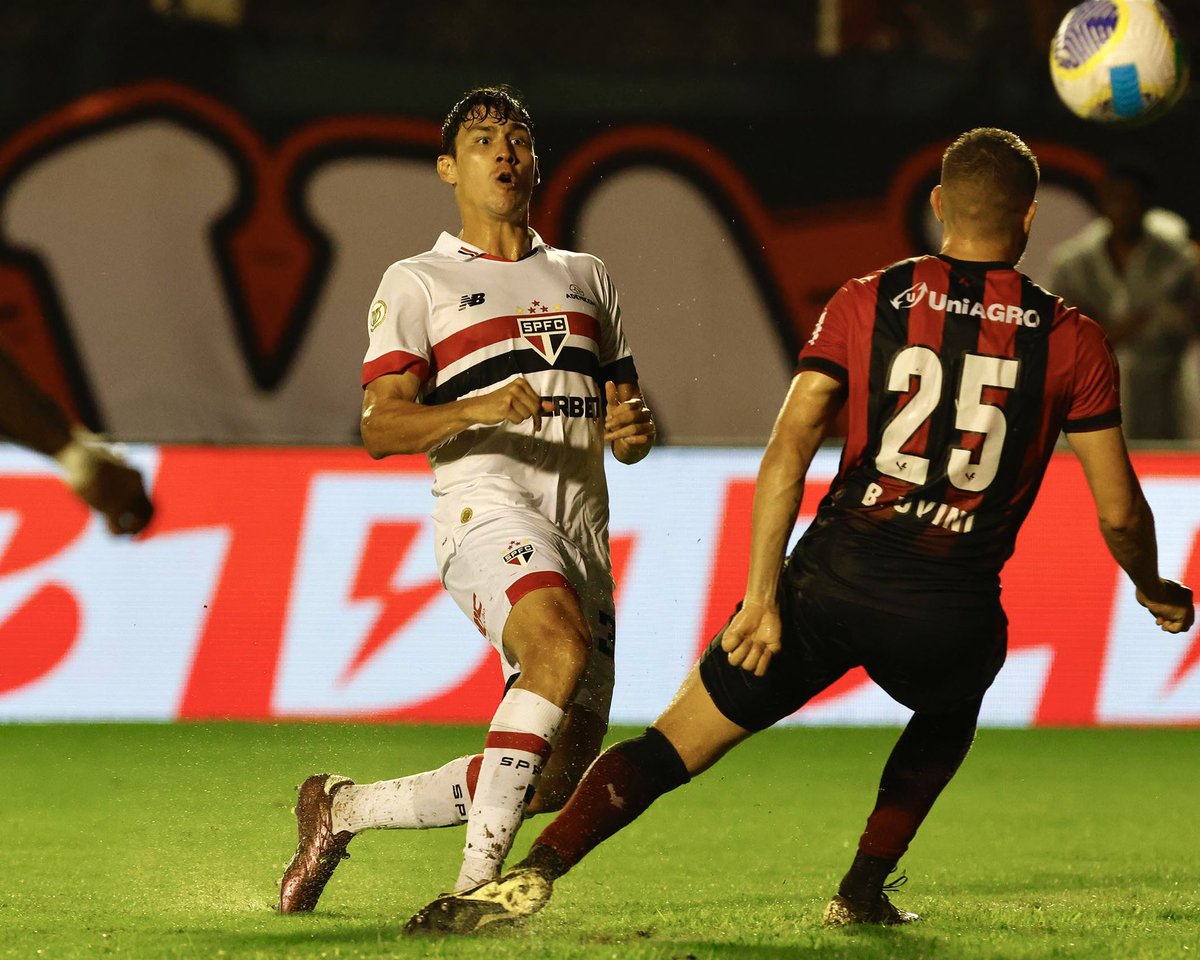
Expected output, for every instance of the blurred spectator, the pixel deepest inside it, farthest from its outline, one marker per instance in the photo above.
(1135, 270)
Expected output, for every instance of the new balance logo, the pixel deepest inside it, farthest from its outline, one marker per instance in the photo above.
(471, 300)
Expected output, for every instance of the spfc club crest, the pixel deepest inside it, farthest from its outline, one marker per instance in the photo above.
(519, 553)
(545, 334)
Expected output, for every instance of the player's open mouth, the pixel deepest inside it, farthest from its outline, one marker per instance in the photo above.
(505, 177)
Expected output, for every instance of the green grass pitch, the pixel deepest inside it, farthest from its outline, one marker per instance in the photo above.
(164, 841)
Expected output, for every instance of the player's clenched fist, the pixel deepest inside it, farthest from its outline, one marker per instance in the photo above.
(98, 472)
(752, 638)
(628, 425)
(515, 402)
(116, 490)
(1173, 609)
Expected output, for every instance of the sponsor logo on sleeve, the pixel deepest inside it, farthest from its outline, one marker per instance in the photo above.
(378, 312)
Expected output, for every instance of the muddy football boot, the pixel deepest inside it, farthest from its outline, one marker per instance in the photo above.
(318, 850)
(517, 894)
(842, 911)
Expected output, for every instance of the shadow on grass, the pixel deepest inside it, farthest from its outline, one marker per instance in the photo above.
(524, 941)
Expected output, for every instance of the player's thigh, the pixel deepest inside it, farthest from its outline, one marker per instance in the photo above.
(935, 664)
(518, 563)
(491, 568)
(546, 630)
(812, 656)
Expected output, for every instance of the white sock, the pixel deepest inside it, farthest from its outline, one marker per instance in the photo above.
(518, 742)
(436, 798)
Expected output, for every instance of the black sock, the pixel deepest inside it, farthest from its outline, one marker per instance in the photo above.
(863, 882)
(544, 859)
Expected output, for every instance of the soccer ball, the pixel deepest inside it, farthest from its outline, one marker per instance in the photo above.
(1118, 61)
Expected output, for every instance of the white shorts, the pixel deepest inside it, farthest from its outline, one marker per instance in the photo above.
(490, 565)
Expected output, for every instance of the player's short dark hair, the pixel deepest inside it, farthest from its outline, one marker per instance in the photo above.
(992, 174)
(996, 159)
(501, 102)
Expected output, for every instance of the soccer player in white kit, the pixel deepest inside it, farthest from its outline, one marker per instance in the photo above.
(503, 360)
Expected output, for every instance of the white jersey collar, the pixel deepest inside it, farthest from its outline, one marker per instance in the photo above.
(451, 246)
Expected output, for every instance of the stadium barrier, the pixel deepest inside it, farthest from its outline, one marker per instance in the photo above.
(280, 583)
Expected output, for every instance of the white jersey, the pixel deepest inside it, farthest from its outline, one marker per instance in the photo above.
(466, 323)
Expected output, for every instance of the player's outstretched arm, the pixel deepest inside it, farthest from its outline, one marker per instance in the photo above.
(1128, 526)
(393, 422)
(628, 425)
(93, 468)
(27, 415)
(814, 399)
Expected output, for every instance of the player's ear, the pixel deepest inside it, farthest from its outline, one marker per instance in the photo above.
(1029, 215)
(447, 169)
(935, 201)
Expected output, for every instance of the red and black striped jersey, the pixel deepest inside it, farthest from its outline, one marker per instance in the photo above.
(959, 378)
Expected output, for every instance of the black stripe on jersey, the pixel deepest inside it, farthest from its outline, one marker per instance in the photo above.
(499, 368)
(889, 334)
(960, 336)
(620, 371)
(1099, 422)
(1023, 408)
(825, 366)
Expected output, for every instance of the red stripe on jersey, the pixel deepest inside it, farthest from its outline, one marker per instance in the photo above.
(480, 255)
(859, 330)
(926, 327)
(536, 581)
(511, 740)
(397, 361)
(999, 338)
(498, 329)
(925, 324)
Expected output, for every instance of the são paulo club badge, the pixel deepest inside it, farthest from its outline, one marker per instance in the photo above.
(545, 334)
(519, 553)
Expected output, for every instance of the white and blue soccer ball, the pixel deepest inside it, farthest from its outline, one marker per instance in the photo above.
(1118, 61)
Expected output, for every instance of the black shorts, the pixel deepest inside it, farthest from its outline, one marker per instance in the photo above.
(931, 664)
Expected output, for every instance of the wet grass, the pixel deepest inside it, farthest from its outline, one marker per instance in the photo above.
(167, 841)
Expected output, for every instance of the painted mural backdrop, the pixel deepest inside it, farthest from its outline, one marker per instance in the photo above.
(173, 278)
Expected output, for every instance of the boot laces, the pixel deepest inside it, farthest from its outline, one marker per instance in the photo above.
(895, 884)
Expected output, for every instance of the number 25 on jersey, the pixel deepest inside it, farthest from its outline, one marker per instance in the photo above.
(973, 415)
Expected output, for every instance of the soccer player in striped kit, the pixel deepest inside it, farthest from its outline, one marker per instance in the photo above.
(958, 375)
(503, 359)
